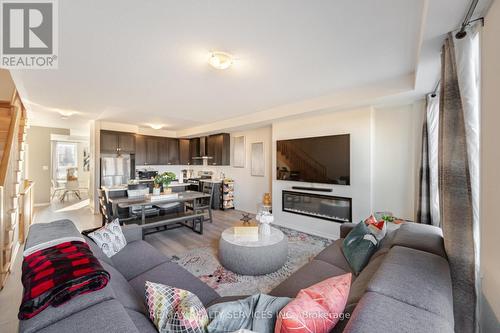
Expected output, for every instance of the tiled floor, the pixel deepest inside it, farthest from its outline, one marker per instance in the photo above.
(170, 242)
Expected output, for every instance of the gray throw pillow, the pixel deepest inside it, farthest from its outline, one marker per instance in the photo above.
(257, 313)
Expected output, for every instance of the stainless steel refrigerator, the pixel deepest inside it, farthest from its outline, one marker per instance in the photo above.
(117, 170)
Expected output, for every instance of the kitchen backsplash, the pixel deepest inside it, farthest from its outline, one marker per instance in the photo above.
(177, 168)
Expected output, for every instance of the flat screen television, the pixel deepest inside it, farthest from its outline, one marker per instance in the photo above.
(322, 159)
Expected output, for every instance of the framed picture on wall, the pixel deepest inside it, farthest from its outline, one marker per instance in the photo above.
(257, 159)
(86, 159)
(239, 152)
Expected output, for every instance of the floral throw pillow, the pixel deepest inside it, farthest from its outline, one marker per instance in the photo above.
(175, 310)
(109, 238)
(317, 308)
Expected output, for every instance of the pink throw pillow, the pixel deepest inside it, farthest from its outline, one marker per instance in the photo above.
(317, 308)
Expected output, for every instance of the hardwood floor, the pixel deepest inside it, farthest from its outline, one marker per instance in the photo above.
(179, 241)
(171, 242)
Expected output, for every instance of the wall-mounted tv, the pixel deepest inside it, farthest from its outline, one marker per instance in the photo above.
(322, 159)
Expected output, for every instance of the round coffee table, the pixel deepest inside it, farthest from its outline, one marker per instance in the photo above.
(253, 257)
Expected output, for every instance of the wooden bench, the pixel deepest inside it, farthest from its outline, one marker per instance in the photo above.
(196, 221)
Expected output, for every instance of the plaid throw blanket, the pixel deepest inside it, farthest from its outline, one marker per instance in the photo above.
(54, 275)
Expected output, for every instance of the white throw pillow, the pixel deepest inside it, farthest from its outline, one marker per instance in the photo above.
(109, 238)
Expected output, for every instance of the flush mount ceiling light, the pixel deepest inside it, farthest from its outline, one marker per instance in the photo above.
(220, 60)
(156, 126)
(65, 114)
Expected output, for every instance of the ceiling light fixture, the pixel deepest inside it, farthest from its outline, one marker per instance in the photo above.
(65, 114)
(156, 126)
(220, 60)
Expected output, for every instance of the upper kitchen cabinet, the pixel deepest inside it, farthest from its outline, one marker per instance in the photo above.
(194, 151)
(126, 142)
(113, 142)
(218, 147)
(109, 142)
(140, 150)
(152, 150)
(184, 152)
(169, 151)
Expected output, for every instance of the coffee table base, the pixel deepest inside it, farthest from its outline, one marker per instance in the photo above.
(257, 260)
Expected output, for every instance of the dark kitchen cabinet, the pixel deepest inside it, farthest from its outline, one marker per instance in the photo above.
(152, 150)
(126, 143)
(109, 142)
(173, 151)
(218, 147)
(194, 151)
(169, 151)
(112, 142)
(140, 150)
(184, 152)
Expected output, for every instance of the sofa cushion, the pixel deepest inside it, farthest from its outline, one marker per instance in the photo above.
(420, 237)
(123, 291)
(136, 258)
(418, 278)
(172, 274)
(306, 276)
(333, 255)
(51, 315)
(377, 313)
(141, 322)
(359, 286)
(109, 317)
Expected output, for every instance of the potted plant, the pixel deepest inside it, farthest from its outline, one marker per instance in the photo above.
(163, 179)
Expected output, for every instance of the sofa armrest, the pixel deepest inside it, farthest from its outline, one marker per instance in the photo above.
(346, 228)
(132, 232)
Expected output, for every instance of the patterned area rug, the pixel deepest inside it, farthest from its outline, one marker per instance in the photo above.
(203, 263)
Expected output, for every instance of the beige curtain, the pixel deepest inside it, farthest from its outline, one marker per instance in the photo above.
(455, 192)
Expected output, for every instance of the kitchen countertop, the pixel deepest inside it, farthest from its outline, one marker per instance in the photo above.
(215, 181)
(125, 187)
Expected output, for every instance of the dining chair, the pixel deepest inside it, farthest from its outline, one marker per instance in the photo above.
(204, 205)
(72, 186)
(55, 189)
(149, 210)
(106, 209)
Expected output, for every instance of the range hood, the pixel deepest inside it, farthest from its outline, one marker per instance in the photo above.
(203, 150)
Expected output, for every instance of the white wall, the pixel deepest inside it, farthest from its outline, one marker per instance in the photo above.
(248, 189)
(384, 145)
(396, 144)
(490, 177)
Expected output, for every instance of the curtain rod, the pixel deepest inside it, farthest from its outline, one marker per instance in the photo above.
(467, 20)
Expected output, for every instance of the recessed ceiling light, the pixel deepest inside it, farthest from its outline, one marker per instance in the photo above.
(220, 60)
(156, 126)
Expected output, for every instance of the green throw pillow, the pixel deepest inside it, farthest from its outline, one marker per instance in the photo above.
(359, 246)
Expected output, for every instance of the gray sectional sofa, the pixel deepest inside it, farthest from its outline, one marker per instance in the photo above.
(406, 287)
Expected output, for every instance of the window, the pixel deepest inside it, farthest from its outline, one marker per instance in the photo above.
(65, 158)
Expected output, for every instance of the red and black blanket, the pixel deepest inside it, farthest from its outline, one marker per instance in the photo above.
(54, 275)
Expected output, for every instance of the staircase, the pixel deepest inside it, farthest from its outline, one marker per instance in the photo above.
(13, 189)
(297, 159)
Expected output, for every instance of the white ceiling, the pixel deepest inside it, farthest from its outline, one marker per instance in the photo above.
(142, 62)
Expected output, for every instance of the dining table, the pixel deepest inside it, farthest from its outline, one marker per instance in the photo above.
(149, 199)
